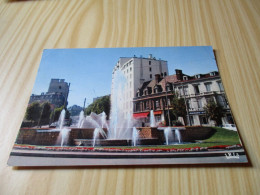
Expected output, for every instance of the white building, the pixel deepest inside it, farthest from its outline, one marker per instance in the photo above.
(200, 89)
(137, 70)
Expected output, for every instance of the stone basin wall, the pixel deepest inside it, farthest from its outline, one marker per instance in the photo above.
(190, 134)
(32, 137)
(151, 132)
(85, 133)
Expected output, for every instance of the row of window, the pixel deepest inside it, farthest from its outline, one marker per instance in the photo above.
(208, 86)
(200, 103)
(198, 76)
(162, 74)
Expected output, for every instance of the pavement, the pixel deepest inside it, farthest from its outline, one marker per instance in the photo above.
(23, 157)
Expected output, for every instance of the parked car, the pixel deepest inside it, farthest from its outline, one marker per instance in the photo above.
(230, 127)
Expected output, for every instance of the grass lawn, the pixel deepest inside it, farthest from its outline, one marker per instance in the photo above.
(221, 137)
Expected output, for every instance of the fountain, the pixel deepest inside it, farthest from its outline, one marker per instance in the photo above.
(61, 119)
(98, 131)
(63, 135)
(120, 122)
(178, 135)
(81, 119)
(152, 119)
(134, 136)
(167, 132)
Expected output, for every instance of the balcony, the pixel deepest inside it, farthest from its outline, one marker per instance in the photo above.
(207, 93)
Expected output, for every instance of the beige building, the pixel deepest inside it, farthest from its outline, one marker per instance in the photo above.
(136, 71)
(198, 90)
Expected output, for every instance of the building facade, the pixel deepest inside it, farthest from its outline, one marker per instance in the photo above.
(196, 90)
(155, 95)
(57, 94)
(136, 71)
(199, 90)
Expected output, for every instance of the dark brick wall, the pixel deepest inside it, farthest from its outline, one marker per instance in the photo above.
(32, 137)
(189, 135)
(196, 133)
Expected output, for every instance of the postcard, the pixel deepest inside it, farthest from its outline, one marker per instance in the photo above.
(128, 106)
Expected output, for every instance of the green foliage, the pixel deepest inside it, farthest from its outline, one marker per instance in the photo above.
(214, 112)
(33, 112)
(56, 113)
(224, 135)
(98, 106)
(45, 113)
(67, 114)
(178, 105)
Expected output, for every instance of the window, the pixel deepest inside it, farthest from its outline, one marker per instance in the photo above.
(168, 87)
(188, 104)
(209, 100)
(191, 120)
(212, 74)
(208, 87)
(199, 103)
(59, 87)
(146, 105)
(180, 90)
(169, 102)
(197, 76)
(162, 74)
(203, 120)
(157, 105)
(222, 101)
(165, 73)
(185, 90)
(221, 88)
(151, 76)
(150, 69)
(149, 62)
(130, 68)
(185, 78)
(196, 89)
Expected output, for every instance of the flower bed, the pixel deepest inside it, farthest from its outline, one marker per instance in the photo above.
(144, 150)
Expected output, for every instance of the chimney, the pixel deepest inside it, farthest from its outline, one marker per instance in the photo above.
(157, 77)
(150, 56)
(179, 74)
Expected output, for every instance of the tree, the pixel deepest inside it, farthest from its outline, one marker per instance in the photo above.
(33, 112)
(99, 106)
(45, 113)
(56, 113)
(214, 112)
(178, 106)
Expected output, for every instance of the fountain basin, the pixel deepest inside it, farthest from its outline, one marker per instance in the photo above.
(115, 142)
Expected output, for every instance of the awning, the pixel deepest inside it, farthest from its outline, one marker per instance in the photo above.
(140, 115)
(157, 112)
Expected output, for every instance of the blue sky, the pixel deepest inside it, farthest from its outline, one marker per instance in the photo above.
(89, 71)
